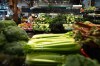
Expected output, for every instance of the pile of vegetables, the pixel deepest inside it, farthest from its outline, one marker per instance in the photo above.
(12, 38)
(91, 8)
(53, 42)
(87, 33)
(70, 18)
(26, 26)
(51, 59)
(51, 48)
(43, 18)
(48, 23)
(6, 23)
(56, 49)
(41, 27)
(56, 24)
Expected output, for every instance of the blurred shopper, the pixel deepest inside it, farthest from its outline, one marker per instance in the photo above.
(31, 19)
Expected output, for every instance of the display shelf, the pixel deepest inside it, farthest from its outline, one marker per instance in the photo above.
(93, 16)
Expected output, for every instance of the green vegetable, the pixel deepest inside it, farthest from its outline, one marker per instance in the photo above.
(14, 33)
(68, 49)
(90, 8)
(41, 27)
(70, 18)
(87, 22)
(60, 45)
(97, 40)
(15, 48)
(45, 57)
(46, 35)
(6, 23)
(53, 42)
(2, 40)
(56, 24)
(52, 39)
(70, 34)
(79, 60)
(2, 25)
(78, 36)
(9, 23)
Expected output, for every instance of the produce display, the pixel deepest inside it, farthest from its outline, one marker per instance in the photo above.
(55, 47)
(6, 23)
(2, 39)
(70, 18)
(44, 59)
(51, 59)
(14, 33)
(62, 60)
(91, 8)
(12, 38)
(51, 42)
(87, 33)
(41, 27)
(51, 39)
(26, 26)
(56, 24)
(79, 60)
(51, 48)
(15, 48)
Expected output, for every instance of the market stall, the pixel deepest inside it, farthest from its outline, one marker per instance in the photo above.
(59, 35)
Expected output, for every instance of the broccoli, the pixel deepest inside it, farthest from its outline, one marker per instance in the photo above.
(2, 26)
(6, 23)
(2, 39)
(14, 33)
(15, 48)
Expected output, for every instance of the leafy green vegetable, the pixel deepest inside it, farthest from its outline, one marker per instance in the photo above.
(97, 41)
(14, 33)
(56, 25)
(70, 18)
(79, 60)
(78, 36)
(41, 27)
(70, 34)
